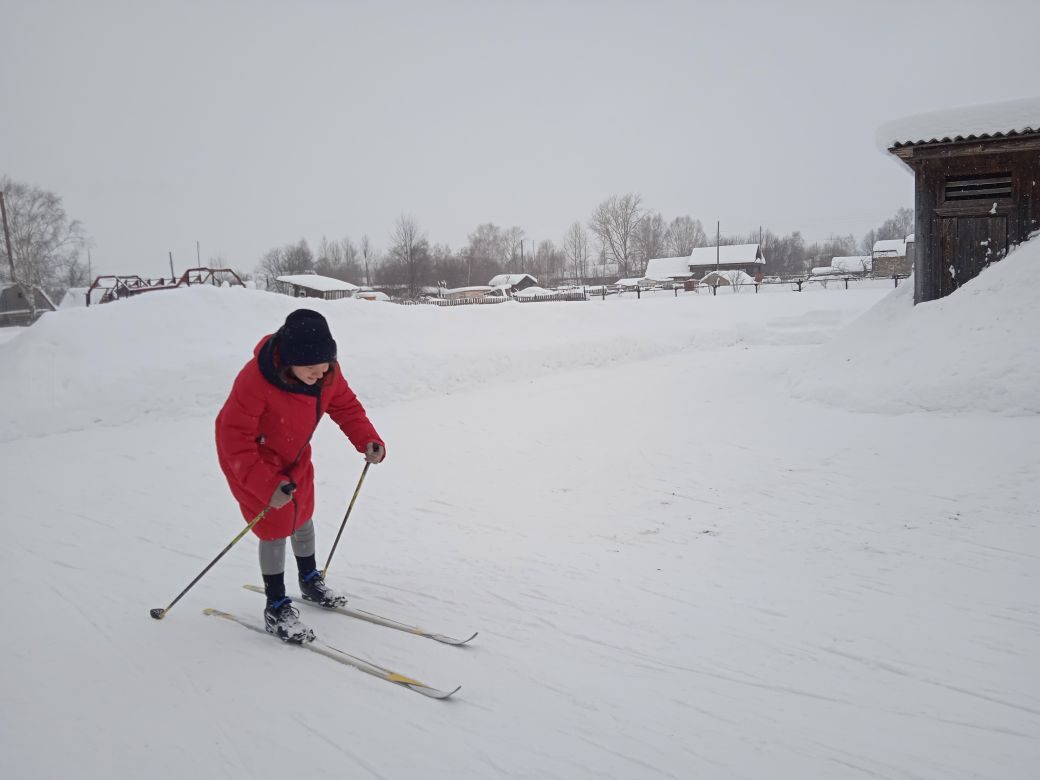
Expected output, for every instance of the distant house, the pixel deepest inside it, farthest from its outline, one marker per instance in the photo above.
(889, 257)
(736, 257)
(15, 308)
(669, 269)
(513, 282)
(315, 286)
(747, 258)
(977, 187)
(853, 264)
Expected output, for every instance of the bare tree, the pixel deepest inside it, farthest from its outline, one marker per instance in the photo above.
(614, 222)
(869, 239)
(898, 226)
(549, 263)
(367, 257)
(650, 238)
(576, 250)
(684, 235)
(45, 244)
(73, 273)
(287, 260)
(514, 249)
(486, 253)
(410, 250)
(338, 260)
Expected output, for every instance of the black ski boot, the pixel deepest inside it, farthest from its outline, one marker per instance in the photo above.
(282, 620)
(314, 589)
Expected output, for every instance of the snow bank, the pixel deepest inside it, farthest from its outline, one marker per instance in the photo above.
(174, 353)
(974, 351)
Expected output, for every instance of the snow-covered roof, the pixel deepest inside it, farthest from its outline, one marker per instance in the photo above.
(826, 270)
(473, 288)
(665, 269)
(704, 256)
(508, 280)
(892, 247)
(852, 263)
(532, 291)
(75, 297)
(319, 283)
(992, 120)
(633, 281)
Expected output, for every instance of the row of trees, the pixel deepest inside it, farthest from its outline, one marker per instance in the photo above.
(617, 241)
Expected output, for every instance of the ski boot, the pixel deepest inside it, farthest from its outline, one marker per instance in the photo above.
(314, 589)
(282, 620)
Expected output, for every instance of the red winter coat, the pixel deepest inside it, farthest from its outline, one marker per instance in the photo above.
(264, 431)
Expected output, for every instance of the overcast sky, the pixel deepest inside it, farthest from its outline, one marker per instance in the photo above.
(249, 125)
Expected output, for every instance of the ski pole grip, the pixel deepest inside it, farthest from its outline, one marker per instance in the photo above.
(289, 488)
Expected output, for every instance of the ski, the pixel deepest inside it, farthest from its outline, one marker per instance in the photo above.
(336, 654)
(379, 620)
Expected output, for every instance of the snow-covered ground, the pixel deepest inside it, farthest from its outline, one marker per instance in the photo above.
(694, 543)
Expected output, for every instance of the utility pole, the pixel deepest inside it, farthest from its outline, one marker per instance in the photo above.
(173, 275)
(198, 254)
(718, 239)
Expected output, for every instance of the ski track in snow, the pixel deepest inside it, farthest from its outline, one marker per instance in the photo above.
(676, 571)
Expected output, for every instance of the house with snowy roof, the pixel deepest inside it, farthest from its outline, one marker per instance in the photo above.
(513, 282)
(889, 257)
(668, 269)
(976, 187)
(853, 264)
(317, 286)
(747, 258)
(16, 308)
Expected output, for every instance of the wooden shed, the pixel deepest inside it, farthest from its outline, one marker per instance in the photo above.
(16, 307)
(976, 191)
(315, 286)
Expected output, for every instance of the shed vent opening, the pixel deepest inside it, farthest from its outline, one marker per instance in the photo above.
(986, 186)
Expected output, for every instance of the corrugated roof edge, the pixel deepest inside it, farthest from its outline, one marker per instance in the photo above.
(959, 138)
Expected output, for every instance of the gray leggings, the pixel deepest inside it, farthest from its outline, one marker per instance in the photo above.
(272, 551)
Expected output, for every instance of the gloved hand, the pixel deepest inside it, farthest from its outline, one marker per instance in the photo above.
(374, 452)
(282, 495)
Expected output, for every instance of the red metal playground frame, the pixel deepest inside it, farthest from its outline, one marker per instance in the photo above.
(119, 287)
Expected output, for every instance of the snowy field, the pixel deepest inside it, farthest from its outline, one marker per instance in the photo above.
(701, 537)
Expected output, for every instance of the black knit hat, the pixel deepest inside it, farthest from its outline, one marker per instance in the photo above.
(305, 340)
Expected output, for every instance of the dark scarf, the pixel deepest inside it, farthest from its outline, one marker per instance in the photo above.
(272, 371)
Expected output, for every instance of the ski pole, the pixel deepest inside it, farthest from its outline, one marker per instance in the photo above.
(345, 518)
(158, 613)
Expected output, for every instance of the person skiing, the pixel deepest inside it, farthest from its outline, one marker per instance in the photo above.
(263, 435)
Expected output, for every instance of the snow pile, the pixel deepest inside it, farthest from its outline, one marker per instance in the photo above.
(975, 350)
(676, 570)
(174, 353)
(1010, 117)
(531, 292)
